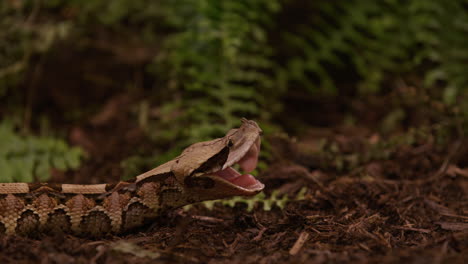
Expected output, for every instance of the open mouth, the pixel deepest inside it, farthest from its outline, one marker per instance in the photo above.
(247, 158)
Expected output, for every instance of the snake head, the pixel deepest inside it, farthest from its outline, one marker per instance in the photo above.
(205, 168)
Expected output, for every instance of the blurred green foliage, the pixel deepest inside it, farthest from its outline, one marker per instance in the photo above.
(218, 65)
(25, 159)
(218, 56)
(219, 60)
(21, 38)
(381, 39)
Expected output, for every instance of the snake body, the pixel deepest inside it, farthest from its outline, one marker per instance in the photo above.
(201, 172)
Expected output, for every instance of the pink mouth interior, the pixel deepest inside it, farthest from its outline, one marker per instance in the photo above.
(248, 163)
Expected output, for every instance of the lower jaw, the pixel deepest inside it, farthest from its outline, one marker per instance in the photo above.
(245, 181)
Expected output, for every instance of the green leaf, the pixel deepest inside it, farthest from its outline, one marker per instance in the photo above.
(24, 157)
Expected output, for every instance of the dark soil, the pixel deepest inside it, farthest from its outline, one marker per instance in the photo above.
(409, 208)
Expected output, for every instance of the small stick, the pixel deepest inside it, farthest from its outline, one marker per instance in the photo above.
(207, 218)
(299, 243)
(260, 234)
(422, 230)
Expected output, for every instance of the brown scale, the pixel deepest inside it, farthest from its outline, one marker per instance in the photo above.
(10, 207)
(135, 216)
(148, 194)
(78, 206)
(44, 205)
(28, 223)
(116, 201)
(96, 223)
(58, 221)
(169, 195)
(162, 177)
(10, 204)
(170, 198)
(45, 187)
(114, 204)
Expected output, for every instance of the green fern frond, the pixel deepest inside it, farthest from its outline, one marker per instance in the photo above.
(219, 60)
(378, 38)
(26, 159)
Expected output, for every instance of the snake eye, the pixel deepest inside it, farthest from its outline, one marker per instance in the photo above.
(230, 143)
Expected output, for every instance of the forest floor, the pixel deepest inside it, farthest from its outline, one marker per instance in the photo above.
(411, 207)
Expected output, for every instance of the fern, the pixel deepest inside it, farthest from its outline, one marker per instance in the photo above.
(379, 38)
(219, 61)
(441, 30)
(26, 159)
(218, 65)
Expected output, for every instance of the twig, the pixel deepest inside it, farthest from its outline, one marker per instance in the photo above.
(364, 247)
(260, 234)
(425, 231)
(299, 243)
(447, 160)
(232, 247)
(453, 226)
(454, 215)
(207, 218)
(101, 250)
